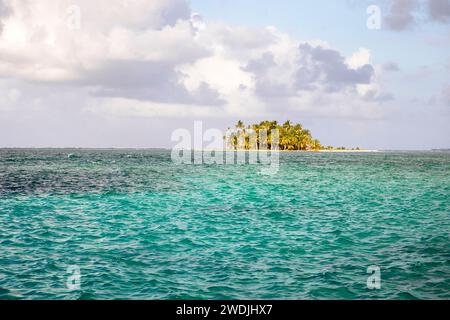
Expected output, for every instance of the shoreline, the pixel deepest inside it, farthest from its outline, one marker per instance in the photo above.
(298, 151)
(348, 151)
(290, 151)
(169, 149)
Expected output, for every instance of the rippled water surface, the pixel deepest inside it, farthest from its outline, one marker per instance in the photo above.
(141, 227)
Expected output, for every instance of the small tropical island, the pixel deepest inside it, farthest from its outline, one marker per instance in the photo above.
(292, 137)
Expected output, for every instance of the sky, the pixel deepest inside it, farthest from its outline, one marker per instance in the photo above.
(128, 73)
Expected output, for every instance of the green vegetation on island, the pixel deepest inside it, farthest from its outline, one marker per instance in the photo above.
(292, 137)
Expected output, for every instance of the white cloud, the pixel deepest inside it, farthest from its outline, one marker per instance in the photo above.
(157, 59)
(136, 108)
(359, 59)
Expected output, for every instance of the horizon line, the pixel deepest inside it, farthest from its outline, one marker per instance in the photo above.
(168, 149)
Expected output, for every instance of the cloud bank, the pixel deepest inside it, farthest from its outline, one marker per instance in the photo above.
(158, 59)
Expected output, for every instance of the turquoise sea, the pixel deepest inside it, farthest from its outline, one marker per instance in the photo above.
(140, 227)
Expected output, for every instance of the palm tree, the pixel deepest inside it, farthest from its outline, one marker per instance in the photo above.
(291, 136)
(316, 145)
(287, 124)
